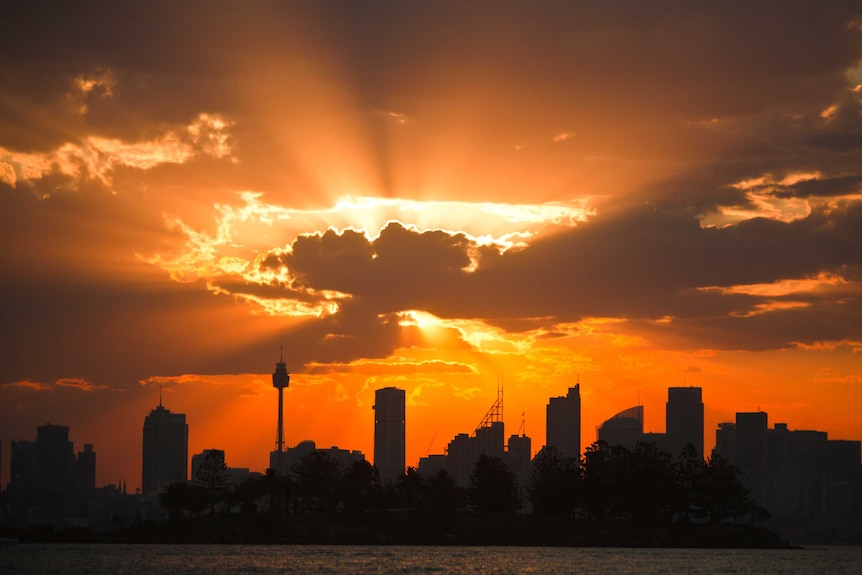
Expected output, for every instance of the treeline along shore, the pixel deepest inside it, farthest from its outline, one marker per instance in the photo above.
(612, 496)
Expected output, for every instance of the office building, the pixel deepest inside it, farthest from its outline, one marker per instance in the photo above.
(625, 428)
(55, 458)
(684, 419)
(725, 441)
(752, 450)
(344, 457)
(752, 442)
(165, 451)
(85, 475)
(519, 452)
(563, 423)
(389, 433)
(22, 464)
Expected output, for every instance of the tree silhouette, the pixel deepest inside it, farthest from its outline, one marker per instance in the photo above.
(600, 481)
(691, 478)
(359, 487)
(410, 487)
(637, 485)
(441, 499)
(725, 494)
(493, 486)
(648, 485)
(176, 498)
(212, 478)
(247, 494)
(554, 484)
(317, 479)
(276, 490)
(179, 497)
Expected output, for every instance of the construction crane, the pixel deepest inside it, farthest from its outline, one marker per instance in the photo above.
(430, 443)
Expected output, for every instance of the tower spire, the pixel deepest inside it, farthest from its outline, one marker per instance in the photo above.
(160, 395)
(280, 380)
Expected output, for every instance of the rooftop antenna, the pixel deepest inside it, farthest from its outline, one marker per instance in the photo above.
(160, 395)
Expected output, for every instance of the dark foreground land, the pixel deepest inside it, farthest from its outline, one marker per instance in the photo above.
(500, 529)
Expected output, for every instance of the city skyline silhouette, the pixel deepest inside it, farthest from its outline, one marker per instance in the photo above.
(567, 423)
(259, 459)
(427, 196)
(805, 482)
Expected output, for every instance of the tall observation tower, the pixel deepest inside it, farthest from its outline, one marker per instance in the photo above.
(280, 380)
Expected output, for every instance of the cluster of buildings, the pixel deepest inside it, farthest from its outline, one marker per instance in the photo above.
(802, 477)
(808, 482)
(683, 424)
(47, 478)
(488, 439)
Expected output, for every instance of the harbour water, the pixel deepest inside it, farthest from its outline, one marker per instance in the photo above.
(58, 559)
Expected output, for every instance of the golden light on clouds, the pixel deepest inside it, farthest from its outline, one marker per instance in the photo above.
(767, 196)
(97, 157)
(761, 205)
(786, 287)
(772, 306)
(243, 233)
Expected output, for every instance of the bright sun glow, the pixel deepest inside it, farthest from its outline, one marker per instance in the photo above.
(242, 233)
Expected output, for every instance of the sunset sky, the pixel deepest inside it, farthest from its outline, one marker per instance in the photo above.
(437, 196)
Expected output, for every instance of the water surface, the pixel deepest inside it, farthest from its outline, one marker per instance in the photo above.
(371, 560)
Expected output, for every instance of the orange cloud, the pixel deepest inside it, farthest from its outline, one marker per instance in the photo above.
(98, 157)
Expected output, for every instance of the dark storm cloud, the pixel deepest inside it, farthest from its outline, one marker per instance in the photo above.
(844, 142)
(828, 187)
(401, 269)
(554, 59)
(643, 264)
(826, 321)
(328, 260)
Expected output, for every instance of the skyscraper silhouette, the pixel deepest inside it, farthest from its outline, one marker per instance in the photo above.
(85, 474)
(684, 419)
(389, 432)
(166, 450)
(55, 458)
(752, 441)
(563, 423)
